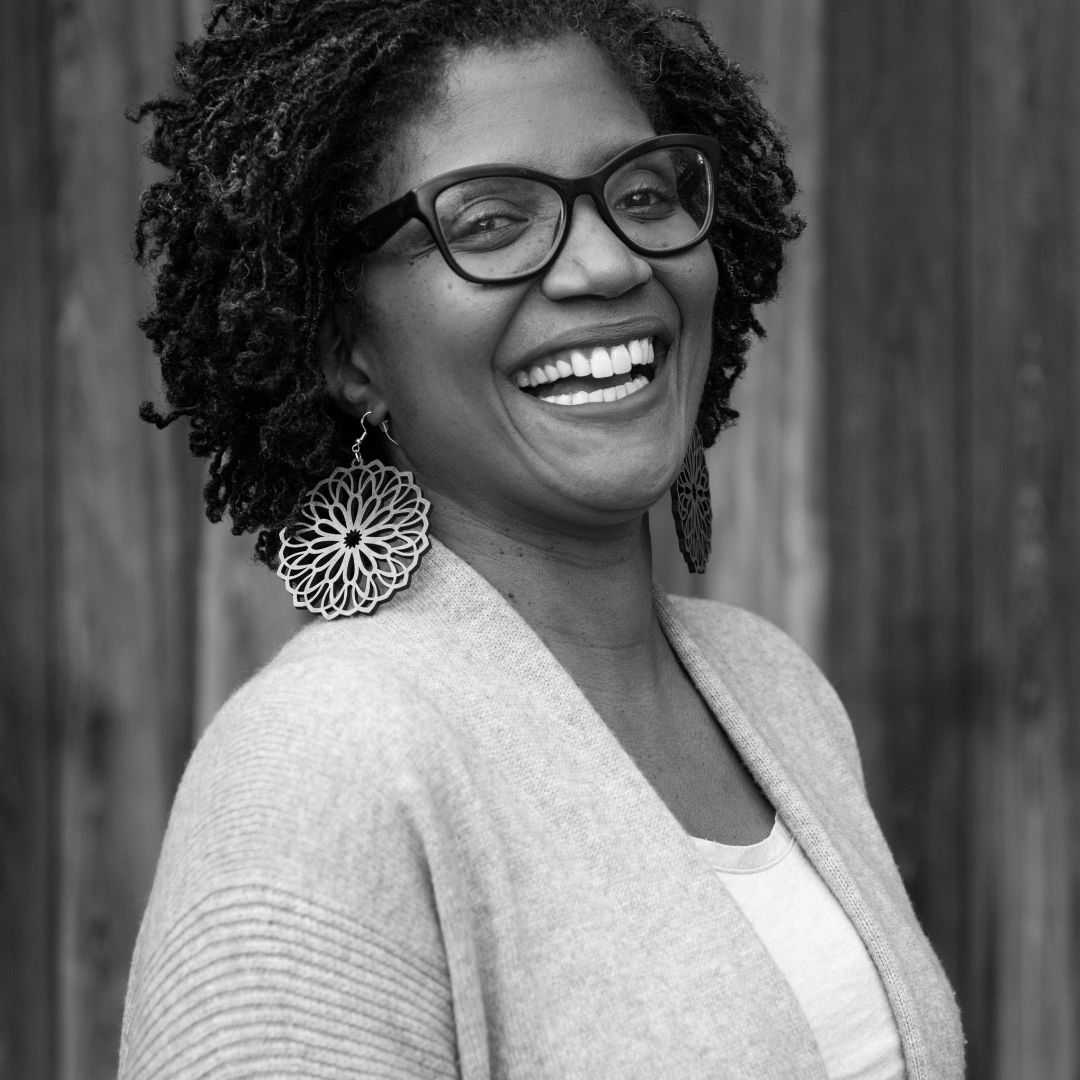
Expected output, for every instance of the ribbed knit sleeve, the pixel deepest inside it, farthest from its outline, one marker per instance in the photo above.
(259, 982)
(291, 931)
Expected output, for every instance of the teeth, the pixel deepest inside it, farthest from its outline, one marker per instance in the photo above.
(579, 362)
(600, 363)
(602, 368)
(606, 393)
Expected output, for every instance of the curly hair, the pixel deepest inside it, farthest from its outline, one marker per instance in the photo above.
(288, 108)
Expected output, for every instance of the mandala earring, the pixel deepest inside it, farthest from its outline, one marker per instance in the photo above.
(357, 541)
(691, 506)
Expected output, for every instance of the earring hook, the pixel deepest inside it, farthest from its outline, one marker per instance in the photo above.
(384, 427)
(360, 441)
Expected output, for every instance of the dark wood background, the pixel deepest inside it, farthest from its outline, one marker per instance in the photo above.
(903, 493)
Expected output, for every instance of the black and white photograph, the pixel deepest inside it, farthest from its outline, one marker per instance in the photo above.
(543, 540)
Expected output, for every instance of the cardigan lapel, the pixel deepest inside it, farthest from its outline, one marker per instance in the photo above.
(802, 799)
(448, 592)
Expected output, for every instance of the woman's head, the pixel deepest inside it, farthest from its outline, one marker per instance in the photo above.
(299, 119)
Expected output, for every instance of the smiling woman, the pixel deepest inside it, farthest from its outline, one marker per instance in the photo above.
(442, 357)
(452, 294)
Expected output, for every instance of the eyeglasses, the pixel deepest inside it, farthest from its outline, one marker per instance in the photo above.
(505, 223)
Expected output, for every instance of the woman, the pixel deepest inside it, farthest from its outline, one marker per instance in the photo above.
(505, 810)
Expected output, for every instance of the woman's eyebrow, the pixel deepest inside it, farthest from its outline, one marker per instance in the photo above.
(607, 149)
(476, 185)
(601, 152)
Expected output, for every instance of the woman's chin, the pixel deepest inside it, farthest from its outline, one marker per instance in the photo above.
(621, 496)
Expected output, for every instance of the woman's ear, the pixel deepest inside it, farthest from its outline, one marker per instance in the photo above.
(347, 371)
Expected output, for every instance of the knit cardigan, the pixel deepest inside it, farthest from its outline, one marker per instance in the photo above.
(410, 848)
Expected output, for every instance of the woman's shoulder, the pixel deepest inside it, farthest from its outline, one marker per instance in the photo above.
(357, 674)
(313, 779)
(729, 630)
(334, 728)
(297, 848)
(766, 668)
(337, 689)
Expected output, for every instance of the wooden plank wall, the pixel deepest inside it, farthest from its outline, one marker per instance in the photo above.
(26, 713)
(951, 385)
(117, 508)
(895, 366)
(903, 493)
(1023, 281)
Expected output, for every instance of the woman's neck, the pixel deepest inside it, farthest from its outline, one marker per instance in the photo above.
(589, 601)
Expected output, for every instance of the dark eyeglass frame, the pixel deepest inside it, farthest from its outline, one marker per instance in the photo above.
(374, 230)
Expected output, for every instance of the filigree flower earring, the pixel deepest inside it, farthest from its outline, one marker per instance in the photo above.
(691, 506)
(358, 539)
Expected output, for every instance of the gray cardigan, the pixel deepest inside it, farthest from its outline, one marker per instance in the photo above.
(410, 848)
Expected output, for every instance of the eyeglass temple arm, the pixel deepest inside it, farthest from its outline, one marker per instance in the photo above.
(374, 230)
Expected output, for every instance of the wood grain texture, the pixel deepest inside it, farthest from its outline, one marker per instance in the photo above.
(27, 712)
(126, 537)
(895, 362)
(768, 536)
(953, 278)
(1023, 276)
(245, 615)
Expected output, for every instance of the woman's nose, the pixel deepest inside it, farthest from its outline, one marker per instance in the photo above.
(593, 260)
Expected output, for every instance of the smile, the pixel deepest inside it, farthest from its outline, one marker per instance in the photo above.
(601, 374)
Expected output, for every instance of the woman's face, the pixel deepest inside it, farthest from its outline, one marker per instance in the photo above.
(444, 356)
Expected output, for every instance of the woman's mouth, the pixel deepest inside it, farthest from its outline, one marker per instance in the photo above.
(603, 373)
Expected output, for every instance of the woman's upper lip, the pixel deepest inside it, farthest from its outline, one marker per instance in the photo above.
(589, 337)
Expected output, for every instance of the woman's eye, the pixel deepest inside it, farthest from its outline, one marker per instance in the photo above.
(648, 198)
(488, 227)
(486, 224)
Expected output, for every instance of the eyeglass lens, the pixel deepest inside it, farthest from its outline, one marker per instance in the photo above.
(502, 226)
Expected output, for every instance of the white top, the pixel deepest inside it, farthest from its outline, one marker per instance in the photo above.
(814, 944)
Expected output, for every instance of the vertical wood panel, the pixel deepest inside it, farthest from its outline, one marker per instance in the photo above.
(1024, 279)
(954, 274)
(27, 985)
(126, 535)
(245, 615)
(768, 536)
(895, 356)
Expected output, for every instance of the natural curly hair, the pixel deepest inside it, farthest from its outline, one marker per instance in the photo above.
(288, 107)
